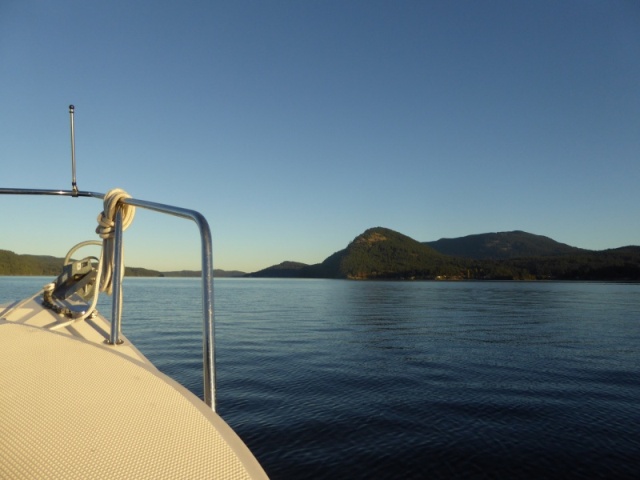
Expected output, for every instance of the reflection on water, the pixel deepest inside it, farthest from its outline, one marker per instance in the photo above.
(335, 379)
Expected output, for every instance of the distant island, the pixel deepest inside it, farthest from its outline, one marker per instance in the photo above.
(381, 253)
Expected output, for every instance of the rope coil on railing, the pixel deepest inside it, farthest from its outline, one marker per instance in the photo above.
(105, 229)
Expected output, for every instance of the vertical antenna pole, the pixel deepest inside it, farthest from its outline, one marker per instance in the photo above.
(74, 186)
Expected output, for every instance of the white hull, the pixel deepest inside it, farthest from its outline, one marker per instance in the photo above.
(72, 406)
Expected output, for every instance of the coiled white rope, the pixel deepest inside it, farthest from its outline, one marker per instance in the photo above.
(105, 229)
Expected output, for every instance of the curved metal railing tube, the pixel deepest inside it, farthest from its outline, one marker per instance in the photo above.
(208, 337)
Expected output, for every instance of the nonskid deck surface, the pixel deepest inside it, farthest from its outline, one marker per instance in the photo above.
(73, 407)
(94, 330)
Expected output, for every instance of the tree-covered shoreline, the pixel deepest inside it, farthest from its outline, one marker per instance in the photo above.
(13, 264)
(381, 253)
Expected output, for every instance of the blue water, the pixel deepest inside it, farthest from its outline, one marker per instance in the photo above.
(343, 379)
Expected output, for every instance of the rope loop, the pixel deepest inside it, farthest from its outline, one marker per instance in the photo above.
(105, 230)
(106, 218)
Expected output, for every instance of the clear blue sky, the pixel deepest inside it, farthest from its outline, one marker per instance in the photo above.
(293, 126)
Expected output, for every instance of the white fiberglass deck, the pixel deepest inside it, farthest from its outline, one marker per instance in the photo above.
(74, 407)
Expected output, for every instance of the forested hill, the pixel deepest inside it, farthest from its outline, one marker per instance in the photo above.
(382, 253)
(13, 264)
(282, 270)
(502, 246)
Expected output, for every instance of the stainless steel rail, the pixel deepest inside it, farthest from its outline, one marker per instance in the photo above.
(208, 336)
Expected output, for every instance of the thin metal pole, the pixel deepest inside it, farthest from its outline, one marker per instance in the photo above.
(74, 186)
(116, 306)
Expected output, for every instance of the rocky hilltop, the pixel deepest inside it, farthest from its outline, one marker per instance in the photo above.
(383, 253)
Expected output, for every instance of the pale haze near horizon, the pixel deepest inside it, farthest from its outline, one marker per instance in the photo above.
(295, 126)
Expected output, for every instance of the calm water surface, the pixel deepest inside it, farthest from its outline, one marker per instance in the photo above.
(343, 379)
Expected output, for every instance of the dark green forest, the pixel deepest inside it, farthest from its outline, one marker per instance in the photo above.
(381, 253)
(13, 264)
